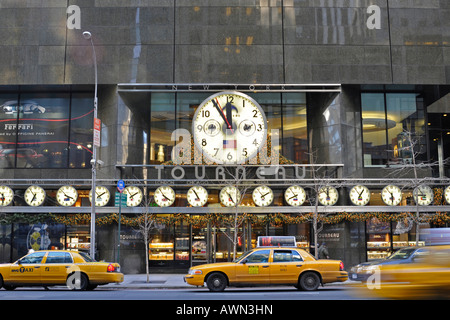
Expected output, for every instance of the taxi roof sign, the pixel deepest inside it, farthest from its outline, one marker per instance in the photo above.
(276, 241)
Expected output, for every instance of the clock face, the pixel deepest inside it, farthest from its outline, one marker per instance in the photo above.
(328, 196)
(164, 196)
(295, 196)
(67, 196)
(34, 196)
(360, 195)
(229, 127)
(134, 196)
(6, 195)
(102, 196)
(447, 194)
(262, 196)
(423, 195)
(391, 195)
(197, 196)
(230, 196)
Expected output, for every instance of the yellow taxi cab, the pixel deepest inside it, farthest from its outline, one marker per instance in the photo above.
(269, 266)
(76, 270)
(428, 276)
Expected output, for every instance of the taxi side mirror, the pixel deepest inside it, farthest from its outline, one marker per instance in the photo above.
(19, 261)
(244, 261)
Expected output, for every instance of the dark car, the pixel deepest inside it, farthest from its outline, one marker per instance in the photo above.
(364, 270)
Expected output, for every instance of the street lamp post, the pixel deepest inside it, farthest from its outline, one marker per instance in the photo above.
(88, 36)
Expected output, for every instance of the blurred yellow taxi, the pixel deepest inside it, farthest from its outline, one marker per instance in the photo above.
(269, 266)
(428, 277)
(76, 270)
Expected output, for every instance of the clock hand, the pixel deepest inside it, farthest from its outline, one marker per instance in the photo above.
(196, 194)
(165, 196)
(219, 109)
(67, 195)
(231, 198)
(100, 195)
(34, 196)
(265, 194)
(228, 108)
(295, 195)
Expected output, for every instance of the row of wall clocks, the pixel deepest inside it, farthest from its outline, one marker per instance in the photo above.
(229, 196)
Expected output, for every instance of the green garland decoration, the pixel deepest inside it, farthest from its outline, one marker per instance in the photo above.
(219, 219)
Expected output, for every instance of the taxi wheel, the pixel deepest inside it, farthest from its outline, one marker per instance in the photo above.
(77, 281)
(309, 281)
(216, 282)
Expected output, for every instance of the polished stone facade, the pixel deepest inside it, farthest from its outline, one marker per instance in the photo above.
(247, 41)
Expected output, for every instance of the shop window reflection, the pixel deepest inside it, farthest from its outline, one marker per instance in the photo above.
(162, 124)
(81, 115)
(386, 119)
(35, 131)
(295, 134)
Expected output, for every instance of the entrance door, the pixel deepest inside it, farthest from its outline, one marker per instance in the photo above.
(254, 269)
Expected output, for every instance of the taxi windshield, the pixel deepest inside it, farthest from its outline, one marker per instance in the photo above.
(243, 256)
(402, 254)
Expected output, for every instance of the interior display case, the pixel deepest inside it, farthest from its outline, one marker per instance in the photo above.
(160, 250)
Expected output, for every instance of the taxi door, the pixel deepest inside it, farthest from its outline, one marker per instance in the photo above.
(56, 267)
(27, 269)
(254, 269)
(286, 266)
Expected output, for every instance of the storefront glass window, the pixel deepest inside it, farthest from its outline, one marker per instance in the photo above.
(162, 124)
(8, 129)
(402, 110)
(295, 133)
(374, 129)
(43, 131)
(82, 118)
(387, 119)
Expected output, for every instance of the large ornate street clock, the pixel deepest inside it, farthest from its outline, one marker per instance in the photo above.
(229, 127)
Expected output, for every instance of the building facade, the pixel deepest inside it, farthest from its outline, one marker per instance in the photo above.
(352, 93)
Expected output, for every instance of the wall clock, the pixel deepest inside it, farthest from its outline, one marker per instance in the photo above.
(391, 195)
(230, 196)
(102, 196)
(295, 196)
(423, 195)
(229, 127)
(164, 196)
(328, 196)
(34, 196)
(197, 196)
(6, 195)
(262, 196)
(447, 194)
(134, 196)
(66, 196)
(359, 195)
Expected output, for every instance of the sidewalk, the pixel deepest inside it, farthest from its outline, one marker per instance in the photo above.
(166, 281)
(156, 281)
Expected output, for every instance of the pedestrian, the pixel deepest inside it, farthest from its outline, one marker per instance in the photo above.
(323, 251)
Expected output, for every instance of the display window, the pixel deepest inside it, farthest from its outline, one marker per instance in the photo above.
(45, 130)
(78, 238)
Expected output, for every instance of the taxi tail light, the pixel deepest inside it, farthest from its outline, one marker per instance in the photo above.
(341, 266)
(111, 268)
